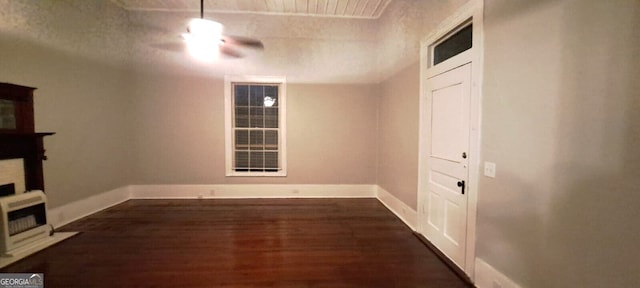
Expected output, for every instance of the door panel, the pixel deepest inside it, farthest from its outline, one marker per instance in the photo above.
(451, 231)
(448, 96)
(445, 140)
(433, 214)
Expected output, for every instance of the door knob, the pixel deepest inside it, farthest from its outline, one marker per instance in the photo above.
(464, 155)
(461, 184)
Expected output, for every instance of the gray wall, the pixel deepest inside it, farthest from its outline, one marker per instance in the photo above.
(83, 92)
(87, 104)
(179, 124)
(398, 112)
(402, 26)
(560, 119)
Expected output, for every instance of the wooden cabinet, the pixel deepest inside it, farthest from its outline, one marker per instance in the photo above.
(17, 134)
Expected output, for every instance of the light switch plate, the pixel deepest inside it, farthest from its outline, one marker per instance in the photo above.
(490, 169)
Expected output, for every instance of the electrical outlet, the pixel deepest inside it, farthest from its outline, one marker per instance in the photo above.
(490, 169)
(212, 192)
(296, 191)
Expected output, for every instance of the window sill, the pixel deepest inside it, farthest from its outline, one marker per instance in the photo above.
(257, 174)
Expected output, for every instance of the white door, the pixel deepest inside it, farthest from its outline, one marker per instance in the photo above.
(447, 99)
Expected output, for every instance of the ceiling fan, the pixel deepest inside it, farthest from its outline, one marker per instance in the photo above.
(205, 40)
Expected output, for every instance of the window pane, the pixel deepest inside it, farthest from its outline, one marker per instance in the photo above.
(271, 160)
(257, 117)
(256, 138)
(242, 117)
(241, 95)
(454, 45)
(242, 139)
(257, 160)
(270, 117)
(271, 140)
(242, 160)
(272, 91)
(256, 94)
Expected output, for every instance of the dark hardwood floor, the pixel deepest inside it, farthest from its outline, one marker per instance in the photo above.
(241, 243)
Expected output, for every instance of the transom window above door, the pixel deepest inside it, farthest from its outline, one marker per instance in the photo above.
(458, 41)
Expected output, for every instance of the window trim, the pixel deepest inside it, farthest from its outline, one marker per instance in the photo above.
(453, 62)
(228, 113)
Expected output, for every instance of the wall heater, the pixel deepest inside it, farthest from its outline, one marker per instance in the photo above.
(24, 220)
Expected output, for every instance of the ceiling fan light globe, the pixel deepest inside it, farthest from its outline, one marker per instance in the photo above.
(203, 39)
(205, 28)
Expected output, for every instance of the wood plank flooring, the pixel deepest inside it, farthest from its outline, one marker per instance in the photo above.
(241, 243)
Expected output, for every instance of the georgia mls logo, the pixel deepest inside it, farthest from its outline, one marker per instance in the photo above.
(22, 281)
(35, 279)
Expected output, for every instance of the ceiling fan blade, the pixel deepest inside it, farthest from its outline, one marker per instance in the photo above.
(230, 52)
(171, 46)
(182, 46)
(243, 41)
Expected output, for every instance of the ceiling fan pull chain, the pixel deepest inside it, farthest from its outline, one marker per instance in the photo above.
(201, 9)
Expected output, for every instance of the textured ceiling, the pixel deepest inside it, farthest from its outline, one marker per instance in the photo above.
(304, 49)
(368, 9)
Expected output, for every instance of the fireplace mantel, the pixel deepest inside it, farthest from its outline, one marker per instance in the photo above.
(29, 147)
(17, 136)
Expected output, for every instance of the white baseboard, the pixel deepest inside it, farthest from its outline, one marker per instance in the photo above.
(67, 213)
(229, 191)
(404, 212)
(62, 215)
(488, 277)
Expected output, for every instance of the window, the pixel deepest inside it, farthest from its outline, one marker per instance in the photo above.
(455, 44)
(255, 126)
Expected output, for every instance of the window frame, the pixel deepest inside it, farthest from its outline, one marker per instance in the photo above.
(229, 129)
(453, 62)
(434, 47)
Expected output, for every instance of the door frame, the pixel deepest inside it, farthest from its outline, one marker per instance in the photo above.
(472, 12)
